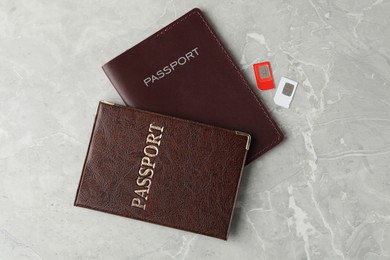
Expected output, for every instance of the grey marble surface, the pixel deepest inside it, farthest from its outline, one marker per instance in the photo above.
(324, 193)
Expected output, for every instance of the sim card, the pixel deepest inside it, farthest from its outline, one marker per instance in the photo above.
(263, 75)
(285, 92)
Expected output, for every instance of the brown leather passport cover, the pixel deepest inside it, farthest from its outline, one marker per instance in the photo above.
(162, 170)
(184, 70)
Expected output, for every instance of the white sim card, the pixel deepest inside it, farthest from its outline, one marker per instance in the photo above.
(285, 92)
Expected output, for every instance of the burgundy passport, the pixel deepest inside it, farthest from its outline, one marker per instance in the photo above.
(184, 70)
(162, 170)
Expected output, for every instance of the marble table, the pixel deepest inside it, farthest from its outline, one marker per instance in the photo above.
(324, 193)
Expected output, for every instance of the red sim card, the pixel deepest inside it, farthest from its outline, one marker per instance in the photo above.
(263, 74)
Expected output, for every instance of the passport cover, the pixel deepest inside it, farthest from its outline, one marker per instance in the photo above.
(162, 170)
(184, 70)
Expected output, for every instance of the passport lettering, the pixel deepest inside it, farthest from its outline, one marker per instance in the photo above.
(171, 67)
(146, 170)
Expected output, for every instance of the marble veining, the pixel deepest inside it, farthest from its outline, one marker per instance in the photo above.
(324, 193)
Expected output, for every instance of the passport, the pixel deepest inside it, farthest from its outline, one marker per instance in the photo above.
(163, 170)
(184, 70)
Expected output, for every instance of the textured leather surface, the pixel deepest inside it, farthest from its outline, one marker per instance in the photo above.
(197, 171)
(209, 88)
